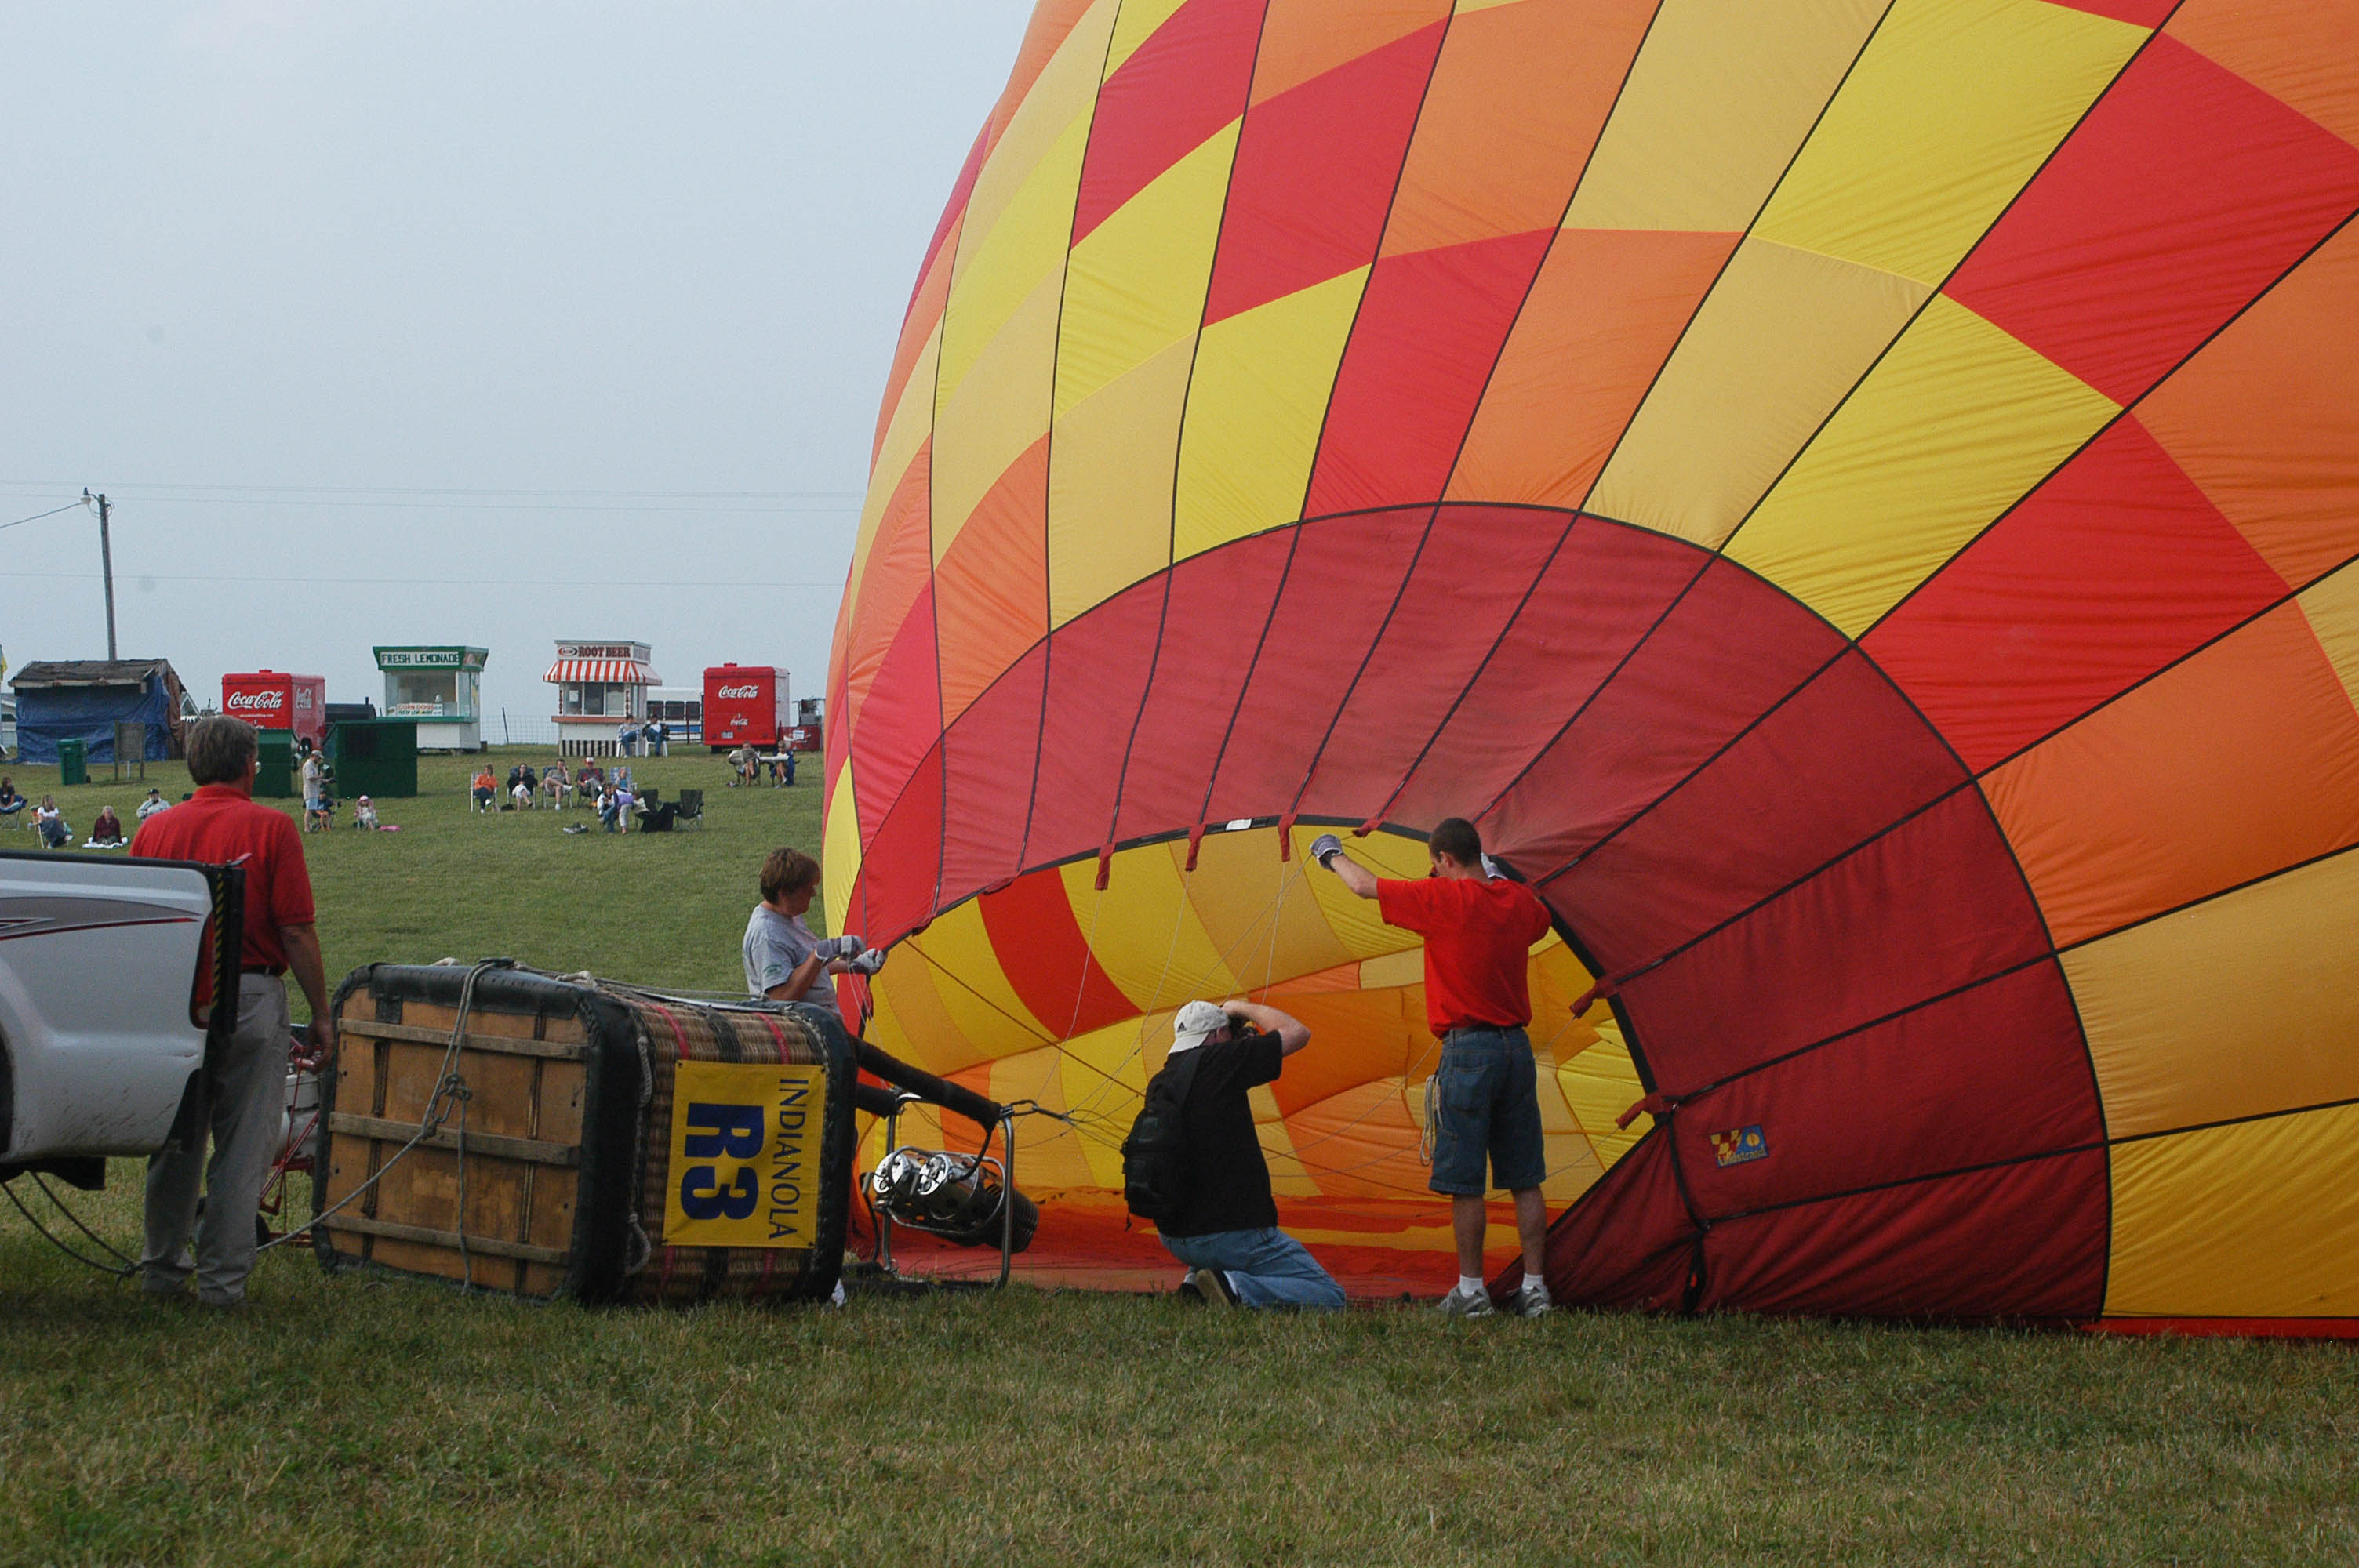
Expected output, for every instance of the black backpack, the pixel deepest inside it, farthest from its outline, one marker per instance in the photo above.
(1155, 1155)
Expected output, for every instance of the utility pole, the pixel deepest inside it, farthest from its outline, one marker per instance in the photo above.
(105, 565)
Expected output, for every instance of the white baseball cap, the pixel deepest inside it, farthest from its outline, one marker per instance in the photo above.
(1196, 1022)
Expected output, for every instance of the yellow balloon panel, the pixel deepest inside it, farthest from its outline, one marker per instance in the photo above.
(1720, 96)
(1953, 105)
(2248, 1221)
(1952, 427)
(2242, 1006)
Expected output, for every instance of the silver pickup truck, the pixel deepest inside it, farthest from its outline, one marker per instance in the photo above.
(107, 971)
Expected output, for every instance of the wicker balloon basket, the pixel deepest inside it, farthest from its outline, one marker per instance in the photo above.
(518, 1132)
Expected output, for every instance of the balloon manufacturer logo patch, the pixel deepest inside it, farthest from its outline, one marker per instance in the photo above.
(1740, 1147)
(744, 1154)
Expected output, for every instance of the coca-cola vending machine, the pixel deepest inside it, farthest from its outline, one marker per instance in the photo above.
(268, 699)
(744, 704)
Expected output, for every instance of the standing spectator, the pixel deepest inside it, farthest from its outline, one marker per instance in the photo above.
(315, 793)
(241, 1091)
(790, 765)
(51, 824)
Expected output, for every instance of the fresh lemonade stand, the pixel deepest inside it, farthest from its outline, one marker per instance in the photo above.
(442, 688)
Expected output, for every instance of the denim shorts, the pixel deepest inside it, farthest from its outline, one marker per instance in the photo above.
(1486, 1100)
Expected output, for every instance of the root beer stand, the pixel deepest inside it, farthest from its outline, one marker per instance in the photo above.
(439, 688)
(601, 690)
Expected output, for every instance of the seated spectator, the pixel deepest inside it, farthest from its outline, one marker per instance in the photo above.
(519, 796)
(531, 782)
(741, 759)
(153, 804)
(483, 788)
(614, 813)
(11, 802)
(365, 814)
(106, 831)
(51, 822)
(590, 774)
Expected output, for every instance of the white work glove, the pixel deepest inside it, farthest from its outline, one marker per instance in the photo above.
(839, 946)
(868, 962)
(1326, 843)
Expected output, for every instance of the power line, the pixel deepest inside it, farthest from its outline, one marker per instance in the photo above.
(832, 584)
(36, 517)
(453, 496)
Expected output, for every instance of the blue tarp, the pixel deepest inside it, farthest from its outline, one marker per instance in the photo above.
(49, 714)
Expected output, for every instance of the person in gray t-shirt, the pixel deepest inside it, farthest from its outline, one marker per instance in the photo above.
(784, 960)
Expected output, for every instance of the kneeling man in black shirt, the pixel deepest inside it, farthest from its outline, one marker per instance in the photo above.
(1227, 1230)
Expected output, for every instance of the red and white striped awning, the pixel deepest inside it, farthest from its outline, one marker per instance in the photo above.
(601, 671)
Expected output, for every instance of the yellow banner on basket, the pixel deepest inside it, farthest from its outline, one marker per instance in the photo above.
(744, 1154)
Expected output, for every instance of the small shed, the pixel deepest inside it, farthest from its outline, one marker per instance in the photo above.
(84, 699)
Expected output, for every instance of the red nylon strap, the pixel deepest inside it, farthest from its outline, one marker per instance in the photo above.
(1656, 1104)
(678, 1034)
(1105, 866)
(1605, 988)
(1195, 842)
(1286, 838)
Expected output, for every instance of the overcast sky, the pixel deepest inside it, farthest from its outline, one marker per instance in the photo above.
(416, 322)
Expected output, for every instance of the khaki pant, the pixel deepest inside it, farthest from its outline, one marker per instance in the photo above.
(242, 1103)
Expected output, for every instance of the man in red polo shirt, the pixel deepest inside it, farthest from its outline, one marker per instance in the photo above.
(243, 1088)
(1483, 1097)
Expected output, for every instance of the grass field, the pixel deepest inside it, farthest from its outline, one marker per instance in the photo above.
(354, 1420)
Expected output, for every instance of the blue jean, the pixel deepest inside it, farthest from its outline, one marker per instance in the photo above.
(1486, 1100)
(1266, 1268)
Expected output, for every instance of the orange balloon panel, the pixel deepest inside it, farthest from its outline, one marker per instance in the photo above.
(1853, 503)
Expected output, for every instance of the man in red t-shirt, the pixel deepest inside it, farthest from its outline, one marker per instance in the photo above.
(243, 1090)
(1483, 1097)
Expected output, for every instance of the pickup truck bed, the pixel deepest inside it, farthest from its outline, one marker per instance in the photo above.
(106, 974)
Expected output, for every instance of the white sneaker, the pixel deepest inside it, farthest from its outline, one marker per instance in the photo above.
(1533, 1300)
(1463, 1302)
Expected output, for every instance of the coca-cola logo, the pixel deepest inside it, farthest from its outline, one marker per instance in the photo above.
(258, 701)
(739, 693)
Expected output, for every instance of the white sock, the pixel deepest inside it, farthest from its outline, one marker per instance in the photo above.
(1533, 1285)
(1469, 1284)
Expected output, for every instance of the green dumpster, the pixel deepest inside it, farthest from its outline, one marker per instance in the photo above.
(373, 757)
(73, 763)
(273, 772)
